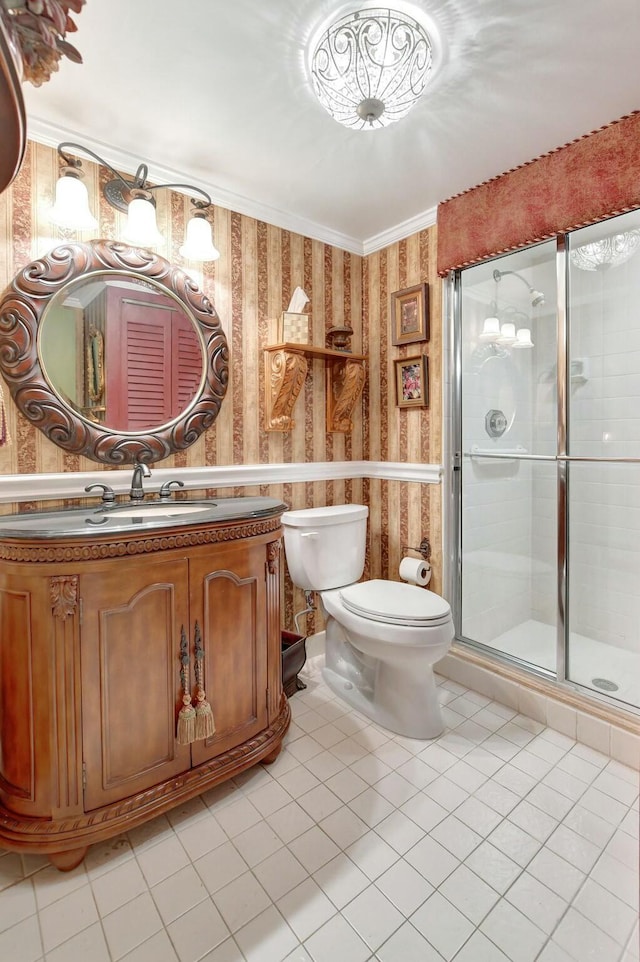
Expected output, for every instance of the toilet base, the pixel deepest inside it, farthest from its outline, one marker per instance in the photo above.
(414, 719)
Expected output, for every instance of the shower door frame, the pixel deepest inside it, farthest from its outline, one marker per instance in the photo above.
(453, 473)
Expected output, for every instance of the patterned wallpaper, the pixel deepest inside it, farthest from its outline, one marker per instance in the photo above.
(251, 283)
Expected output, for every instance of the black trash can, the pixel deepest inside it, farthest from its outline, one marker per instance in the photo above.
(294, 655)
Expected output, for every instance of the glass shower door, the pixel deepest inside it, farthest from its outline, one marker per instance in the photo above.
(603, 449)
(507, 537)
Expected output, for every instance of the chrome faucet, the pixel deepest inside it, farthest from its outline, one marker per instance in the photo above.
(140, 471)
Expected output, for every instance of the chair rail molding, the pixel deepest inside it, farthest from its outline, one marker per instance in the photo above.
(53, 487)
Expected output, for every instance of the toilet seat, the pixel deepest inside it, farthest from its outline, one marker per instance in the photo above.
(395, 603)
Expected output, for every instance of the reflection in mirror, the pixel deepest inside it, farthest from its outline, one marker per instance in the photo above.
(121, 352)
(112, 352)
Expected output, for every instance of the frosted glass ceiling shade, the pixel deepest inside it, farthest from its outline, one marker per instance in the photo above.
(198, 245)
(142, 229)
(608, 252)
(71, 207)
(369, 68)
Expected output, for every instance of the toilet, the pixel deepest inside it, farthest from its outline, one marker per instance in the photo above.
(382, 637)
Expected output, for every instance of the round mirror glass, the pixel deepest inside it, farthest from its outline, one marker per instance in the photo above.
(122, 352)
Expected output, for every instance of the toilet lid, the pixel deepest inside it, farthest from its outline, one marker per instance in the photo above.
(395, 603)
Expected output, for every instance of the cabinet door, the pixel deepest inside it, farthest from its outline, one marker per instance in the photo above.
(132, 614)
(229, 602)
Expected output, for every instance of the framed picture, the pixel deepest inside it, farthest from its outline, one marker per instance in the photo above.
(410, 315)
(412, 381)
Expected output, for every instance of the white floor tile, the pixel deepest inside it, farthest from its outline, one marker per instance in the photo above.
(218, 868)
(313, 849)
(373, 917)
(67, 916)
(500, 841)
(405, 887)
(178, 894)
(432, 860)
(21, 942)
(442, 925)
(469, 893)
(513, 933)
(399, 831)
(88, 944)
(198, 932)
(493, 866)
(267, 938)
(306, 908)
(280, 873)
(583, 940)
(537, 902)
(344, 827)
(341, 880)
(241, 900)
(336, 941)
(131, 925)
(408, 945)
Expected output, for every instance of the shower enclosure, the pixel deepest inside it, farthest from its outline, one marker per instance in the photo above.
(546, 386)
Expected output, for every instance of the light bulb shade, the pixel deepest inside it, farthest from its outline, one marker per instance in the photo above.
(507, 333)
(141, 229)
(608, 252)
(369, 68)
(490, 329)
(71, 207)
(198, 244)
(523, 338)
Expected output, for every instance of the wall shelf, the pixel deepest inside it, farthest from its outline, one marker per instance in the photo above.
(286, 367)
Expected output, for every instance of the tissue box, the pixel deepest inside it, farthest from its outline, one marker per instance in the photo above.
(293, 328)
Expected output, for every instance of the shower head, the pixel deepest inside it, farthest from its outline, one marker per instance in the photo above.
(537, 297)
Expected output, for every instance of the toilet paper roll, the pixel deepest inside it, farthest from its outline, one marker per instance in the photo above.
(415, 572)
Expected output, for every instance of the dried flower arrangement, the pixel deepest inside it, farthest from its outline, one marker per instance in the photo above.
(38, 29)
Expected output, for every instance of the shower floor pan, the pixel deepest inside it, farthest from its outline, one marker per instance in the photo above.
(589, 660)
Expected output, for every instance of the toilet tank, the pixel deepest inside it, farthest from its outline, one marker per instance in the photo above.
(325, 547)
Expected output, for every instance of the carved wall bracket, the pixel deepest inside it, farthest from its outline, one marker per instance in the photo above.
(285, 370)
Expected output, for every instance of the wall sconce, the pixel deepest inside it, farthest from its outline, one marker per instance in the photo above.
(71, 208)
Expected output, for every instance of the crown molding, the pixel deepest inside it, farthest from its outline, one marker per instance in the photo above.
(51, 135)
(427, 218)
(70, 484)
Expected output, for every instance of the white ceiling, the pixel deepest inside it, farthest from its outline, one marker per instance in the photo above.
(216, 93)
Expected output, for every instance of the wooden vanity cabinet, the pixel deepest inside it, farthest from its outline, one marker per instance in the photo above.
(90, 685)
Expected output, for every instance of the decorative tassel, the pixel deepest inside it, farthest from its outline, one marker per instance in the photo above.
(186, 731)
(205, 726)
(5, 437)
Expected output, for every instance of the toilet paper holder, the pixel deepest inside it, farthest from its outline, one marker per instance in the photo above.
(424, 549)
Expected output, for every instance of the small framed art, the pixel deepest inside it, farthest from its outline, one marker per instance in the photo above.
(410, 315)
(412, 381)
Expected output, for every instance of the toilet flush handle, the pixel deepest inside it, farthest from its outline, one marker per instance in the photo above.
(309, 534)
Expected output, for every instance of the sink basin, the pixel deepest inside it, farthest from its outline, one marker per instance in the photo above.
(173, 510)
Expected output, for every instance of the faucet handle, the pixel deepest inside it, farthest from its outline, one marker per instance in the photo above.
(108, 497)
(165, 490)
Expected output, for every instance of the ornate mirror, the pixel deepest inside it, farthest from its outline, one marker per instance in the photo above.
(112, 352)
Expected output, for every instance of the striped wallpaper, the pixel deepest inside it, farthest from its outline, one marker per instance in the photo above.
(251, 283)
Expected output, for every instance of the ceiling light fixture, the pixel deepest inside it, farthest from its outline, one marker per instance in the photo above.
(369, 68)
(135, 197)
(608, 252)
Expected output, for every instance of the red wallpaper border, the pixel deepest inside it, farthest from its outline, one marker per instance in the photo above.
(591, 178)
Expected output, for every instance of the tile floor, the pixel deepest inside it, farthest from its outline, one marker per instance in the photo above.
(500, 840)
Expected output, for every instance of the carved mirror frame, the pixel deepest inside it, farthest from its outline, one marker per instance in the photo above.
(22, 307)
